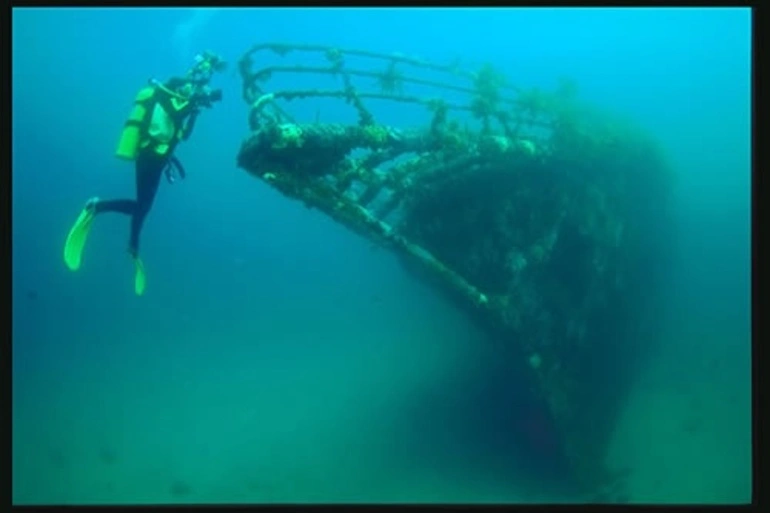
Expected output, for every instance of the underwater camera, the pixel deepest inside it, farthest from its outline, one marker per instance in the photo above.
(207, 97)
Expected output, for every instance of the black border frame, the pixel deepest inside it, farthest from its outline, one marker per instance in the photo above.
(760, 42)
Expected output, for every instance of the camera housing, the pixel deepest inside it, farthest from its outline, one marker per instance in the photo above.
(207, 97)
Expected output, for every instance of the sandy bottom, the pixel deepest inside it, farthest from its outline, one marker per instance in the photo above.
(685, 434)
(314, 426)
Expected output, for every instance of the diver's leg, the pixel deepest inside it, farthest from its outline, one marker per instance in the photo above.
(148, 172)
(122, 206)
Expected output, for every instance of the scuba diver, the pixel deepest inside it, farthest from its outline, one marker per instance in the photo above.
(163, 115)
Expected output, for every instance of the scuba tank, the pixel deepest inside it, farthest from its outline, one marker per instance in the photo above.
(135, 125)
(147, 118)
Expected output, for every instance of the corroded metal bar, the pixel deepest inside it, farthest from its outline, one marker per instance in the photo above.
(358, 219)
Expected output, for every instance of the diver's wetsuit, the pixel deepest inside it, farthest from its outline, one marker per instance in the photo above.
(149, 168)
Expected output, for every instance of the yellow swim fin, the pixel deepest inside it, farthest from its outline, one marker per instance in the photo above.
(140, 278)
(76, 239)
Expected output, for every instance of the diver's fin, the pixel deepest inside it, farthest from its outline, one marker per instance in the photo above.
(76, 239)
(140, 278)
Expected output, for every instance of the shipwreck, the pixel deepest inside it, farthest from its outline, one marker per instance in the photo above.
(544, 217)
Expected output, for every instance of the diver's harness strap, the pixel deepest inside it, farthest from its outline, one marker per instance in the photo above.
(158, 84)
(173, 165)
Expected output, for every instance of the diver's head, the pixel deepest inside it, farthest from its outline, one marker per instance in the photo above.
(206, 64)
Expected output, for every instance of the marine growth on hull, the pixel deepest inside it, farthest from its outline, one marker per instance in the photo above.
(544, 217)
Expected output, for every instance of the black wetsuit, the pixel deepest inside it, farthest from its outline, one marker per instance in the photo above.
(149, 168)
